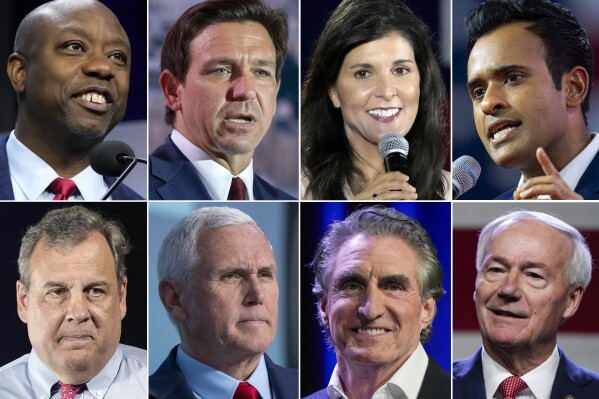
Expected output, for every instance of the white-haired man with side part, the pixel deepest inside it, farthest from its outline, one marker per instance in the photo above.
(218, 285)
(532, 270)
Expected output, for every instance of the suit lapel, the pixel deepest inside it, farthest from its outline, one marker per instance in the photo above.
(468, 378)
(588, 186)
(181, 180)
(6, 192)
(281, 381)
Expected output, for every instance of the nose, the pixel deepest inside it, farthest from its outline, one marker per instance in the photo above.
(493, 101)
(372, 306)
(97, 65)
(255, 292)
(385, 87)
(77, 310)
(243, 88)
(510, 288)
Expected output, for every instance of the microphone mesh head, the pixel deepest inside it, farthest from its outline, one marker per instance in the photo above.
(464, 173)
(104, 157)
(393, 142)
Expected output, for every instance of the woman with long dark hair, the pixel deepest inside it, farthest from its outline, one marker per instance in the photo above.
(373, 72)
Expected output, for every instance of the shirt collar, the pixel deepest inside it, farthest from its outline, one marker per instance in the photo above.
(207, 382)
(539, 380)
(32, 175)
(215, 177)
(43, 378)
(573, 171)
(405, 383)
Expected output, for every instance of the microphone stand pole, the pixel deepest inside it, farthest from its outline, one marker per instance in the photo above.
(126, 172)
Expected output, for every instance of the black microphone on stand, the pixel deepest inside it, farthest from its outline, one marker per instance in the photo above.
(393, 148)
(464, 175)
(113, 158)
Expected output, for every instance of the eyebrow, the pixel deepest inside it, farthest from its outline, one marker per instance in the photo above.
(367, 65)
(99, 283)
(349, 275)
(497, 71)
(397, 278)
(502, 260)
(230, 61)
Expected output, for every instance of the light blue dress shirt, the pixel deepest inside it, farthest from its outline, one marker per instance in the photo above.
(124, 376)
(207, 382)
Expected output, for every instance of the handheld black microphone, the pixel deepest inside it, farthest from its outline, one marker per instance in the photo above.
(113, 158)
(465, 172)
(393, 148)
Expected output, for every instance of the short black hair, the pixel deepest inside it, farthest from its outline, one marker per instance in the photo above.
(565, 40)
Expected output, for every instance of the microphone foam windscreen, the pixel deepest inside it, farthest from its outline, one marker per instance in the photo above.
(464, 173)
(104, 158)
(393, 142)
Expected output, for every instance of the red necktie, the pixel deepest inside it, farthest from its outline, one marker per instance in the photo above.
(69, 391)
(246, 391)
(511, 386)
(237, 190)
(63, 188)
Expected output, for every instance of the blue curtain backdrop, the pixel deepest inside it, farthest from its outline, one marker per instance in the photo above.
(316, 359)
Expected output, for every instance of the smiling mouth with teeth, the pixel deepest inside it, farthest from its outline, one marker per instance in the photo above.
(371, 331)
(93, 98)
(385, 113)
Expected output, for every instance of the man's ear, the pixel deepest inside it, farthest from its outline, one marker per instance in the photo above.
(22, 301)
(575, 83)
(322, 310)
(170, 90)
(170, 295)
(17, 71)
(123, 297)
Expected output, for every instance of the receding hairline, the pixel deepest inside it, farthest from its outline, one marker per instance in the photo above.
(48, 13)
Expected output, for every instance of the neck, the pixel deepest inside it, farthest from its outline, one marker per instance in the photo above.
(233, 364)
(362, 380)
(522, 359)
(560, 154)
(368, 162)
(66, 160)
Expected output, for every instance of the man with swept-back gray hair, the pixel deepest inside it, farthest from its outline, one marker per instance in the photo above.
(218, 285)
(72, 295)
(532, 270)
(378, 279)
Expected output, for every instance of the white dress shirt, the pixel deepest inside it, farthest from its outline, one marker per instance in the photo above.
(539, 380)
(30, 176)
(404, 384)
(573, 171)
(215, 177)
(124, 376)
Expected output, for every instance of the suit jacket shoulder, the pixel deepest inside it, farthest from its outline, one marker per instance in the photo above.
(574, 381)
(6, 192)
(168, 382)
(468, 380)
(284, 381)
(436, 383)
(173, 177)
(322, 394)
